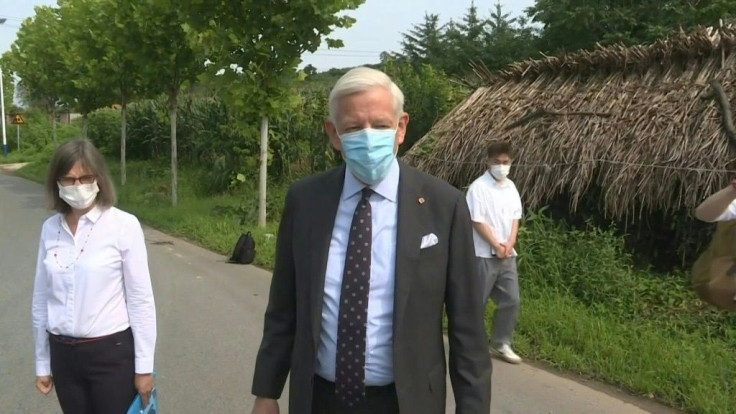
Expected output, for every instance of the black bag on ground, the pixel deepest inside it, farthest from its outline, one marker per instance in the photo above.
(245, 250)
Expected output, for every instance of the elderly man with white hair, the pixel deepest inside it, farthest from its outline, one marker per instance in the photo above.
(368, 257)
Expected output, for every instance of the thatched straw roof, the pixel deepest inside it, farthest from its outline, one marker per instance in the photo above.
(631, 121)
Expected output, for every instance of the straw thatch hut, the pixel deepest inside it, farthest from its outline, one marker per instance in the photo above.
(636, 125)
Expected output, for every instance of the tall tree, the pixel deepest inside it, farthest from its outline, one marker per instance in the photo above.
(580, 24)
(35, 57)
(166, 43)
(424, 43)
(507, 39)
(494, 41)
(90, 87)
(122, 36)
(466, 41)
(254, 48)
(114, 40)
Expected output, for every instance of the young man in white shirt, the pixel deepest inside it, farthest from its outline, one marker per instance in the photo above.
(495, 209)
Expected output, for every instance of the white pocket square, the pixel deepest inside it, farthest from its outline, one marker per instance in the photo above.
(429, 240)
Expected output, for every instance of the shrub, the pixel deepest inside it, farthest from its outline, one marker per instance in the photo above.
(104, 130)
(593, 266)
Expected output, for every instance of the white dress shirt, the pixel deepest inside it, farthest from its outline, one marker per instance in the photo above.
(379, 363)
(495, 204)
(102, 290)
(729, 214)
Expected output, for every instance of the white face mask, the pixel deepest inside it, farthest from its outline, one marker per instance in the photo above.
(79, 197)
(500, 172)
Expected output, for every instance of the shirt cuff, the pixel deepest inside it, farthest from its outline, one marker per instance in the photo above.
(725, 216)
(143, 366)
(43, 368)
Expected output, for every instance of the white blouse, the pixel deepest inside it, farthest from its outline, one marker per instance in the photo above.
(93, 283)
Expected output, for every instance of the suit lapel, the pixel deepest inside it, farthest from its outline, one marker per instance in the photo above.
(408, 238)
(321, 227)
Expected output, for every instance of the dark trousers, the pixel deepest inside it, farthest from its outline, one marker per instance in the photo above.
(96, 377)
(378, 400)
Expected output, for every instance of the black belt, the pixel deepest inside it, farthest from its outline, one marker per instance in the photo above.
(70, 340)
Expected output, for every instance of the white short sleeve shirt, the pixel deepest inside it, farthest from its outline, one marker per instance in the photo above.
(496, 204)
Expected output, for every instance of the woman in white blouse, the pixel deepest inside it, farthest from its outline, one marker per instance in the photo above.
(94, 317)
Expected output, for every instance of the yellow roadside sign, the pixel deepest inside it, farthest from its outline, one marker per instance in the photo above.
(18, 120)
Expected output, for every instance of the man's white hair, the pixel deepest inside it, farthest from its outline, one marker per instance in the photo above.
(361, 79)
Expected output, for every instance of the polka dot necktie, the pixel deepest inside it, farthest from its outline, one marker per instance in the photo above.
(351, 325)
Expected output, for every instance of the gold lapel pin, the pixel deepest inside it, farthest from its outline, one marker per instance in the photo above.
(421, 200)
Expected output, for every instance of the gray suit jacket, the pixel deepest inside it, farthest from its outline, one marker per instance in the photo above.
(428, 280)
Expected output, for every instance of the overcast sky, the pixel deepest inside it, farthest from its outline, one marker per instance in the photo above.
(378, 28)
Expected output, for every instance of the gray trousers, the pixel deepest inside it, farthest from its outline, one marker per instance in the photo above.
(501, 284)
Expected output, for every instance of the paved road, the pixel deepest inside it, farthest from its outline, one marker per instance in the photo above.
(210, 320)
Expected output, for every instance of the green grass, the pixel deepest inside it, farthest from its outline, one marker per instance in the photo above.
(690, 370)
(585, 308)
(38, 155)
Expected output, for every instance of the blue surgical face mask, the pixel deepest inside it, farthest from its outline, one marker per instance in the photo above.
(369, 153)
